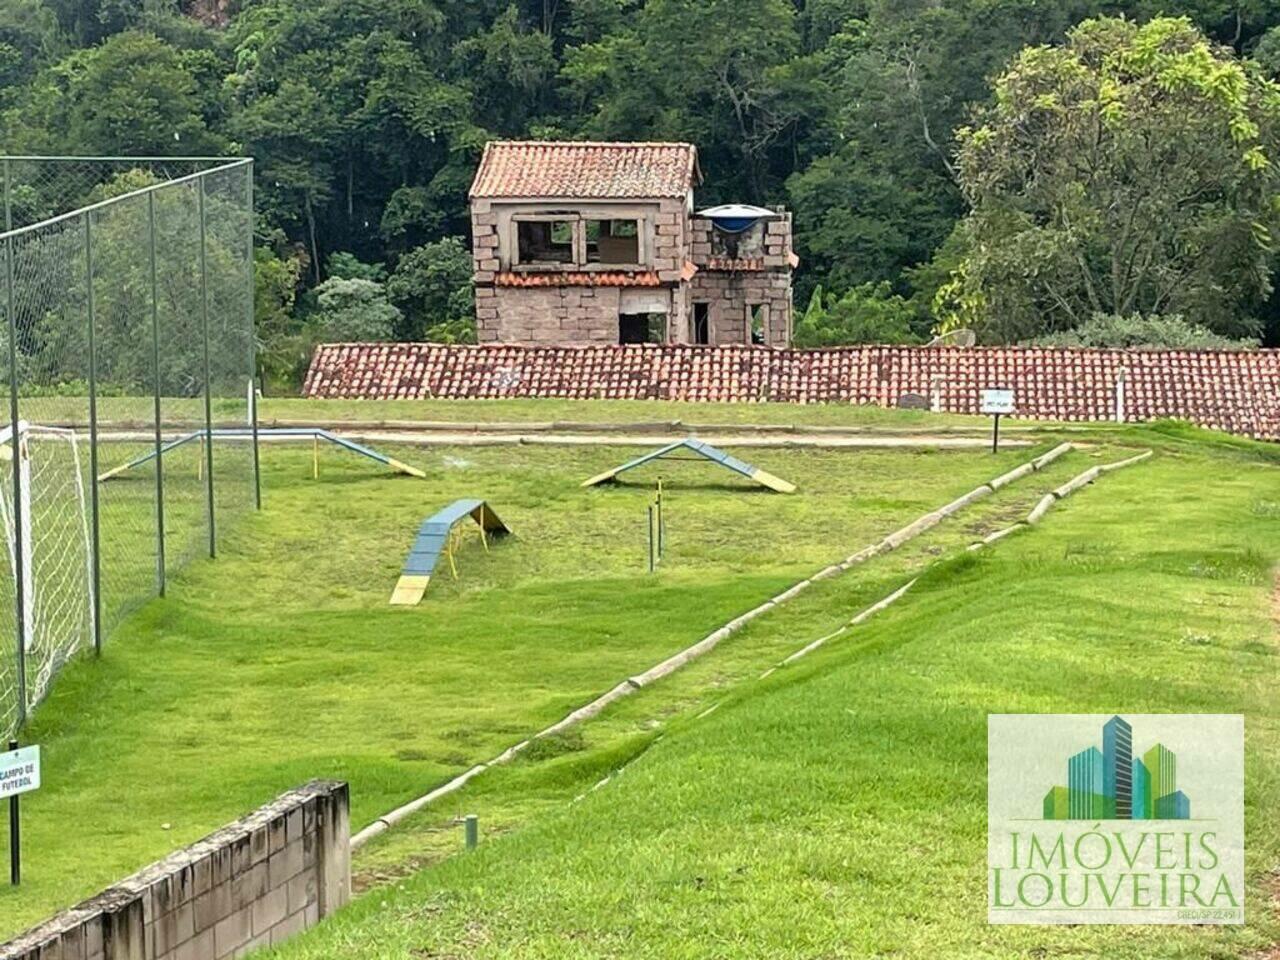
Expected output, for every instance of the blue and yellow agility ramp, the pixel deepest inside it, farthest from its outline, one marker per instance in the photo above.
(704, 451)
(314, 434)
(439, 534)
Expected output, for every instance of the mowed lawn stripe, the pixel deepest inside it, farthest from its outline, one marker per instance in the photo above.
(282, 660)
(839, 809)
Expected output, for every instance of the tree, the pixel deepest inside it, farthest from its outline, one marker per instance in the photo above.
(1120, 333)
(283, 346)
(28, 34)
(350, 267)
(1132, 170)
(870, 313)
(350, 311)
(134, 94)
(1268, 53)
(875, 191)
(700, 70)
(343, 102)
(507, 69)
(432, 285)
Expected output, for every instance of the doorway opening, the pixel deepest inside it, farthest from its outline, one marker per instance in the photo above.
(759, 314)
(701, 324)
(642, 328)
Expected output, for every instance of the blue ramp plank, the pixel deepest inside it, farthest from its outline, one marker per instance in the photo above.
(433, 540)
(712, 454)
(266, 433)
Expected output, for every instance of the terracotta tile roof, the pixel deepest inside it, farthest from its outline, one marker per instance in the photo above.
(1237, 392)
(644, 278)
(584, 170)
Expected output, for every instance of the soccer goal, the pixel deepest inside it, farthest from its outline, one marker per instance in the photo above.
(46, 530)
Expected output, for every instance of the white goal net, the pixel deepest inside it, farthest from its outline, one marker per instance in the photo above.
(46, 532)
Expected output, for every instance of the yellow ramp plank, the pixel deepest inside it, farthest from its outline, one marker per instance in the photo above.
(773, 483)
(405, 468)
(600, 478)
(409, 590)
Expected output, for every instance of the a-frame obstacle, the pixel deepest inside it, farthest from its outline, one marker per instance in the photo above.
(705, 451)
(314, 434)
(439, 535)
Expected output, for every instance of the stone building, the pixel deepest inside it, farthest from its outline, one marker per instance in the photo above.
(599, 243)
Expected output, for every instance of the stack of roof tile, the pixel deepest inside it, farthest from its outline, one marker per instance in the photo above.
(1233, 391)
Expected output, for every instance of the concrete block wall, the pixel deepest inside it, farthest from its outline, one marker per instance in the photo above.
(254, 883)
(730, 295)
(547, 315)
(484, 241)
(773, 253)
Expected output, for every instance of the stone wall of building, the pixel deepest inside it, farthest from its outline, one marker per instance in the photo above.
(671, 244)
(547, 315)
(484, 242)
(535, 308)
(732, 286)
(731, 297)
(770, 251)
(251, 884)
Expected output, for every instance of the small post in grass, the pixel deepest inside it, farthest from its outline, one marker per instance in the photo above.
(997, 403)
(662, 527)
(471, 827)
(652, 556)
(15, 833)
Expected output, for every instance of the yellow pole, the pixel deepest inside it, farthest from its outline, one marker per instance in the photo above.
(484, 539)
(448, 552)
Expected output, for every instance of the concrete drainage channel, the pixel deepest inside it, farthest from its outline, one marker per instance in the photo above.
(1034, 517)
(430, 433)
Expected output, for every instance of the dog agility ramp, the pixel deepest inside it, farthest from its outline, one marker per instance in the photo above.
(314, 434)
(706, 451)
(438, 536)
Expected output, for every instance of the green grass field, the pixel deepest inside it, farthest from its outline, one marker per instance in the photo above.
(772, 826)
(281, 661)
(837, 809)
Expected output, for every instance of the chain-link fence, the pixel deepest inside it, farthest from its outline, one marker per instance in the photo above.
(128, 436)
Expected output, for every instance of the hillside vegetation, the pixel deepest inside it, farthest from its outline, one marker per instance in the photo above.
(885, 127)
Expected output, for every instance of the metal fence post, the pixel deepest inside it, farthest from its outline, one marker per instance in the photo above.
(155, 353)
(208, 386)
(8, 202)
(94, 505)
(253, 354)
(19, 574)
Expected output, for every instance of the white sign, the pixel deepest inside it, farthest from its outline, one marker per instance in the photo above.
(19, 771)
(997, 401)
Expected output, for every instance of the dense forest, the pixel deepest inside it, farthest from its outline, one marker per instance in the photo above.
(926, 147)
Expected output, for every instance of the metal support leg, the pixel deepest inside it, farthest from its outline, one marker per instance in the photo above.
(208, 385)
(159, 439)
(95, 505)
